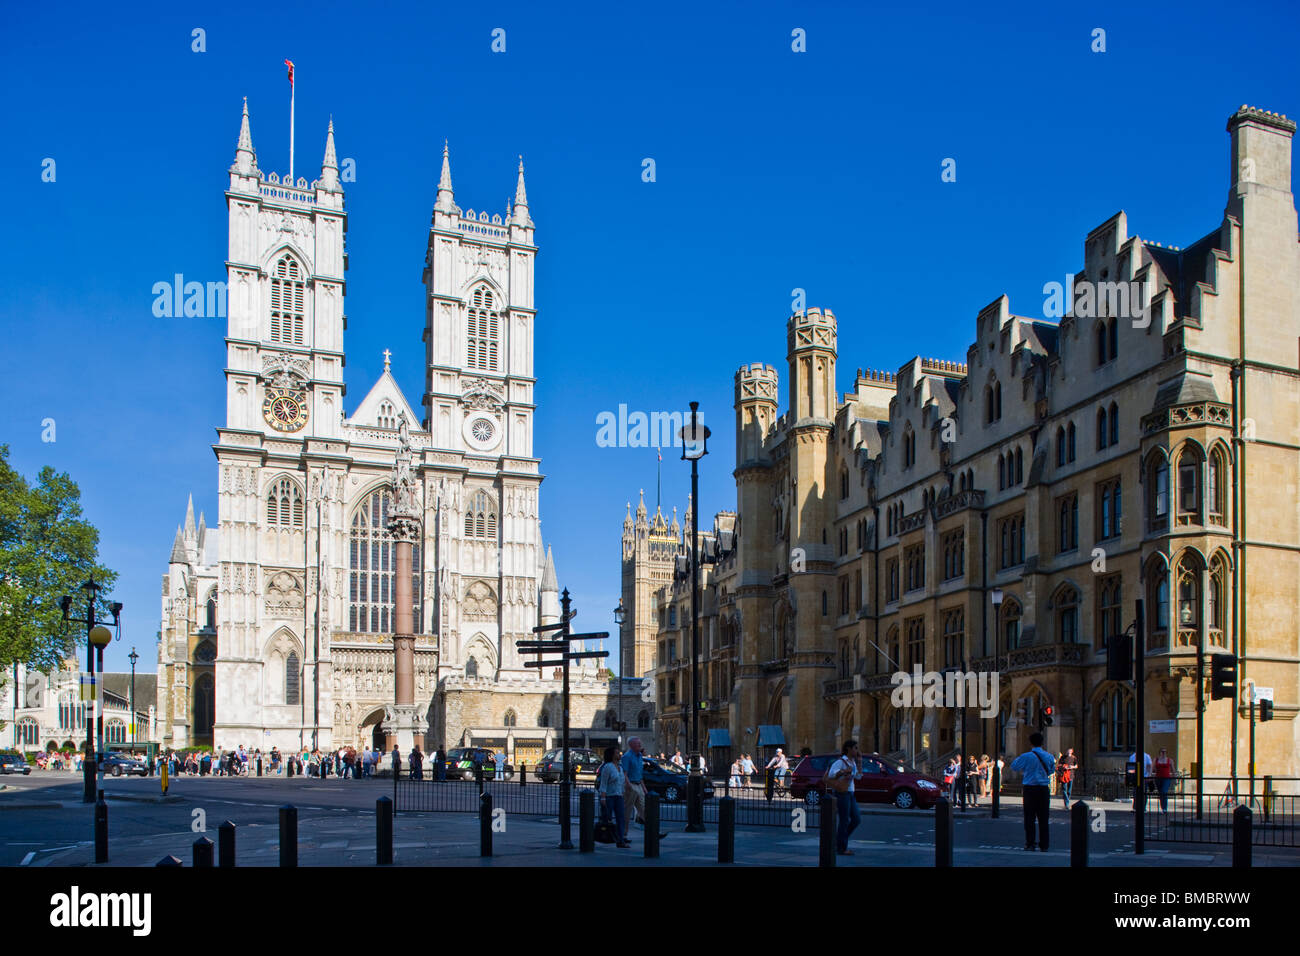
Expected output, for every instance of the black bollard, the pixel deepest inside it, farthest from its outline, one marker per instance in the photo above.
(1268, 795)
(826, 836)
(943, 832)
(478, 777)
(651, 826)
(695, 803)
(769, 785)
(997, 788)
(288, 835)
(383, 831)
(587, 822)
(485, 824)
(226, 844)
(101, 829)
(1241, 829)
(169, 861)
(523, 775)
(1079, 833)
(259, 766)
(727, 830)
(203, 848)
(289, 767)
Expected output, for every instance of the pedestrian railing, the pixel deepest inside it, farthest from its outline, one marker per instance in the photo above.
(1179, 817)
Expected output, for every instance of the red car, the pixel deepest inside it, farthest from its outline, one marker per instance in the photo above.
(881, 782)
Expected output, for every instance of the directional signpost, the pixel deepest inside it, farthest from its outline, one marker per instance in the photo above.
(560, 644)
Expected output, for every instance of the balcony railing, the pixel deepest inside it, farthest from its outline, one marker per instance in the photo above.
(1046, 654)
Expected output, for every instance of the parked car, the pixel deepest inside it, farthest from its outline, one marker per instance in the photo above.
(581, 761)
(118, 764)
(882, 781)
(669, 781)
(14, 763)
(464, 761)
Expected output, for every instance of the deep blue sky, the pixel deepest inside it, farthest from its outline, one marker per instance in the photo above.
(775, 170)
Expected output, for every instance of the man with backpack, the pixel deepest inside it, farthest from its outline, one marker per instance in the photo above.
(1035, 766)
(839, 781)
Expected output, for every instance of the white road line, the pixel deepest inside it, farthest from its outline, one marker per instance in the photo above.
(28, 858)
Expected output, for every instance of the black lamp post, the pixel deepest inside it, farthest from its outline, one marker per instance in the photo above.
(695, 445)
(97, 636)
(995, 771)
(133, 657)
(619, 616)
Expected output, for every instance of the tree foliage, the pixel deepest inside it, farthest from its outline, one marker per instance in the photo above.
(47, 549)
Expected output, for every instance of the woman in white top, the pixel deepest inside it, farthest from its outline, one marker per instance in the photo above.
(736, 771)
(609, 785)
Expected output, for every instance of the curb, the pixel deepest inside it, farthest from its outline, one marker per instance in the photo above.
(132, 798)
(6, 805)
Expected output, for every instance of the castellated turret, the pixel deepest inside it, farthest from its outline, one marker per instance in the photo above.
(810, 349)
(756, 407)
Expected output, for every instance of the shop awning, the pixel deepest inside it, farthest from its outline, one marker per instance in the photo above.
(719, 737)
(771, 735)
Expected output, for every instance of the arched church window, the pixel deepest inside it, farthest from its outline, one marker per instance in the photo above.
(387, 418)
(292, 679)
(481, 516)
(543, 719)
(510, 719)
(287, 294)
(484, 336)
(115, 731)
(372, 569)
(284, 507)
(204, 706)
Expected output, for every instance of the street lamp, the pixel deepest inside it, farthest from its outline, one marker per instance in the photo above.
(97, 636)
(995, 772)
(619, 616)
(695, 445)
(133, 657)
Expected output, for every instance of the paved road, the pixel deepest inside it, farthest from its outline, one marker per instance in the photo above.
(44, 823)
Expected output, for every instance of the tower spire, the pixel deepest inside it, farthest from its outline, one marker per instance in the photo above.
(245, 155)
(446, 198)
(521, 199)
(329, 169)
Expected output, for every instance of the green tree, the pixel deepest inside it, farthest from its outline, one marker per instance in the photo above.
(47, 550)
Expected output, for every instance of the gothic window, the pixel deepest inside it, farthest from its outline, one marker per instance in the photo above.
(205, 653)
(1189, 600)
(672, 615)
(954, 554)
(371, 562)
(1214, 603)
(916, 643)
(844, 483)
(992, 402)
(212, 610)
(509, 720)
(953, 634)
(204, 706)
(892, 649)
(1103, 341)
(1067, 520)
(1116, 720)
(1103, 430)
(1108, 505)
(1157, 591)
(1011, 624)
(484, 339)
(1011, 534)
(909, 446)
(891, 579)
(1002, 472)
(896, 731)
(29, 732)
(115, 731)
(284, 507)
(1109, 610)
(1020, 466)
(914, 565)
(1069, 442)
(72, 713)
(1114, 424)
(543, 719)
(481, 517)
(1067, 615)
(1060, 447)
(292, 679)
(1214, 488)
(1158, 492)
(1189, 490)
(387, 418)
(643, 718)
(287, 312)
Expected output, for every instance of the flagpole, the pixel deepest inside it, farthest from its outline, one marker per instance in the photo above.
(292, 87)
(659, 478)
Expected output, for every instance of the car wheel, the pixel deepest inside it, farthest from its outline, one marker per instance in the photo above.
(812, 798)
(117, 771)
(672, 794)
(905, 799)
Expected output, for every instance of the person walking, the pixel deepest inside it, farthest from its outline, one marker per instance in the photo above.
(633, 767)
(734, 780)
(982, 769)
(746, 770)
(950, 779)
(611, 784)
(499, 758)
(1035, 767)
(1066, 768)
(417, 763)
(397, 761)
(678, 761)
(839, 780)
(1164, 768)
(972, 778)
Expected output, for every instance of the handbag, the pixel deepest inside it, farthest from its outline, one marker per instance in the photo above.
(837, 784)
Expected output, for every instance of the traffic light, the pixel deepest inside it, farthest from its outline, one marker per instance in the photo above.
(1223, 677)
(1265, 710)
(1046, 717)
(1119, 657)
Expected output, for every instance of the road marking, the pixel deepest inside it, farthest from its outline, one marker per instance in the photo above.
(28, 858)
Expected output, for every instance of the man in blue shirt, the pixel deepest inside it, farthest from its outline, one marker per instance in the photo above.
(634, 788)
(1035, 766)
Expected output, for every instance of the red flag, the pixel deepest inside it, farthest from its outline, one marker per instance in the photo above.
(289, 64)
(658, 453)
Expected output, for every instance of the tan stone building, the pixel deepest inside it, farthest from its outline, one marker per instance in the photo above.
(1144, 447)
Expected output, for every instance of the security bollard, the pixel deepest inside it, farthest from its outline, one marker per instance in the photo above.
(203, 852)
(226, 844)
(1241, 829)
(1079, 834)
(485, 824)
(383, 831)
(289, 767)
(587, 822)
(440, 766)
(695, 803)
(727, 830)
(997, 787)
(101, 829)
(826, 832)
(288, 835)
(943, 832)
(1268, 796)
(652, 826)
(769, 785)
(259, 766)
(566, 838)
(523, 775)
(169, 861)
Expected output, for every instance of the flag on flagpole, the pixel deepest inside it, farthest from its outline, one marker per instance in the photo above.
(289, 64)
